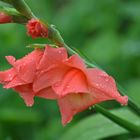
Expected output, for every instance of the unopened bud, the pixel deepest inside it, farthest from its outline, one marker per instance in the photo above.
(35, 28)
(5, 18)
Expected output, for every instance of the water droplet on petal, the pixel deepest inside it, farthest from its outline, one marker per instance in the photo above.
(42, 71)
(59, 51)
(97, 85)
(106, 79)
(67, 86)
(24, 64)
(29, 104)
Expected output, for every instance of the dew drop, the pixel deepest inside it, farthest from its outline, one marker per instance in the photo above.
(24, 64)
(42, 71)
(97, 85)
(59, 51)
(29, 104)
(106, 79)
(67, 86)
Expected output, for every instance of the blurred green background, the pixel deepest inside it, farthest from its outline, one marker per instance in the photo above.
(108, 32)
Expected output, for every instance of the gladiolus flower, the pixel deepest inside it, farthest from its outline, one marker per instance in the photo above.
(51, 74)
(21, 76)
(35, 28)
(5, 18)
(75, 86)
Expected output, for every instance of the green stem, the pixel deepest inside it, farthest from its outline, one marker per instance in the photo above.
(124, 123)
(23, 8)
(16, 16)
(7, 1)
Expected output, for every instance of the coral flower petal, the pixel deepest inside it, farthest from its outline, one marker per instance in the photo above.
(47, 93)
(7, 76)
(52, 56)
(74, 81)
(99, 80)
(45, 79)
(74, 103)
(15, 82)
(76, 62)
(26, 93)
(26, 66)
(11, 60)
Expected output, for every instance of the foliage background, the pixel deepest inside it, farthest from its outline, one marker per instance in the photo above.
(107, 31)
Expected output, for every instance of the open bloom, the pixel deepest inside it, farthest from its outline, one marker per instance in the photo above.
(75, 86)
(21, 76)
(35, 28)
(5, 18)
(51, 74)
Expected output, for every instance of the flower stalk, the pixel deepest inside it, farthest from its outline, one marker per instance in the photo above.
(21, 6)
(122, 122)
(16, 17)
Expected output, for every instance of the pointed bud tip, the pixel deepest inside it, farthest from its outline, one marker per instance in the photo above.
(35, 29)
(123, 100)
(5, 18)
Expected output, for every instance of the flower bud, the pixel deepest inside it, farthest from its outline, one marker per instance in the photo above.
(35, 28)
(5, 18)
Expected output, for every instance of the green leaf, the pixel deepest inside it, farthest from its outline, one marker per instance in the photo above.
(8, 115)
(97, 127)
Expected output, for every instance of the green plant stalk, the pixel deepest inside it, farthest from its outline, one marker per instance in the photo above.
(54, 36)
(124, 123)
(21, 6)
(7, 1)
(16, 16)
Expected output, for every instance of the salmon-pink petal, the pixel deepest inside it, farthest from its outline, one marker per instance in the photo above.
(52, 56)
(25, 91)
(15, 82)
(101, 96)
(7, 76)
(26, 71)
(11, 60)
(76, 62)
(74, 81)
(73, 103)
(26, 66)
(99, 80)
(47, 93)
(45, 79)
